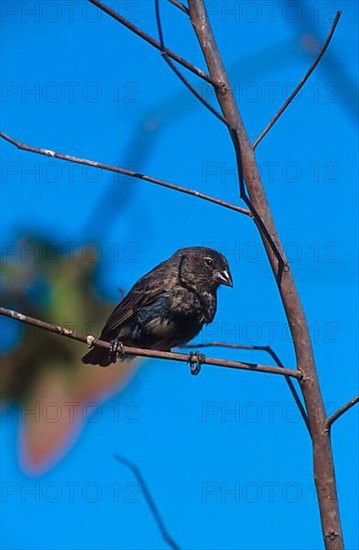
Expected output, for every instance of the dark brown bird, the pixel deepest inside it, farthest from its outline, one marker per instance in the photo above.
(168, 306)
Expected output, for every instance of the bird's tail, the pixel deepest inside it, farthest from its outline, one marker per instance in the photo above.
(97, 356)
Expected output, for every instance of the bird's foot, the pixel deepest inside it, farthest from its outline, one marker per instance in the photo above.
(116, 351)
(196, 361)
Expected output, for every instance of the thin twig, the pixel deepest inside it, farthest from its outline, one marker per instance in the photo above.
(342, 410)
(149, 499)
(142, 352)
(159, 25)
(130, 173)
(193, 90)
(302, 82)
(272, 353)
(148, 38)
(282, 263)
(172, 65)
(291, 386)
(180, 6)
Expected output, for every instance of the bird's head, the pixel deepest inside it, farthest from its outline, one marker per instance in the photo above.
(201, 266)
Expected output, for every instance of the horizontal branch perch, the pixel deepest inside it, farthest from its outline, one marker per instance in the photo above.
(184, 358)
(342, 410)
(129, 173)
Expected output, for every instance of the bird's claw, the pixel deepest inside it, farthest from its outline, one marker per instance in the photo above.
(116, 351)
(196, 361)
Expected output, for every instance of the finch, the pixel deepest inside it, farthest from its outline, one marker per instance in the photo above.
(168, 306)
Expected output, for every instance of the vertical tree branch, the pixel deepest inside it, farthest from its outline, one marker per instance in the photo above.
(322, 452)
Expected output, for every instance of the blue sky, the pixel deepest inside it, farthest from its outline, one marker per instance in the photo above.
(99, 92)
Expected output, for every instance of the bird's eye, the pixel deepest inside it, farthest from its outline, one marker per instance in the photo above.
(209, 261)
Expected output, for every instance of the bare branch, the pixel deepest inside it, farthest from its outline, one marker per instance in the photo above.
(149, 499)
(274, 356)
(191, 88)
(142, 352)
(159, 24)
(148, 38)
(130, 173)
(194, 91)
(302, 82)
(342, 410)
(180, 6)
(253, 194)
(323, 464)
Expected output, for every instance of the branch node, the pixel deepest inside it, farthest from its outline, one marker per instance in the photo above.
(172, 66)
(148, 38)
(90, 340)
(301, 377)
(222, 88)
(332, 536)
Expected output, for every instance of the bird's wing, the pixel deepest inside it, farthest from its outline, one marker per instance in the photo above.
(144, 292)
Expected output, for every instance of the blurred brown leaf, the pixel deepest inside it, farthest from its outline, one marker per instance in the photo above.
(43, 372)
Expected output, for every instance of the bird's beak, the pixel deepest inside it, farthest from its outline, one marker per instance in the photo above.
(224, 278)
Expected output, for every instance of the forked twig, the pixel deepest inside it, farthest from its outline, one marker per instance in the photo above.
(193, 90)
(149, 499)
(172, 65)
(148, 38)
(274, 356)
(282, 264)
